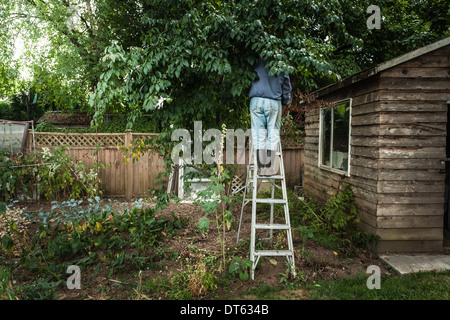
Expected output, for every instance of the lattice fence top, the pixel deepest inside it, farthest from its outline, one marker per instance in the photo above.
(44, 139)
(83, 140)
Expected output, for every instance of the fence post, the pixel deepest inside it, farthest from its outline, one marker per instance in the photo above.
(128, 169)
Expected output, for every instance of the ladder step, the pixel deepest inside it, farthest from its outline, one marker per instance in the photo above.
(278, 177)
(277, 153)
(274, 253)
(272, 226)
(277, 201)
(269, 201)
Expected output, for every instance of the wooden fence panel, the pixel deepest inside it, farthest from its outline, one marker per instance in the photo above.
(293, 166)
(135, 178)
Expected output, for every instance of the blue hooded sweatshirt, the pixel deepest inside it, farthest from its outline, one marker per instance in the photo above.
(271, 87)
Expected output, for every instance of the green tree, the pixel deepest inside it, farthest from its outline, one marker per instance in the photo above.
(198, 54)
(64, 41)
(201, 54)
(405, 26)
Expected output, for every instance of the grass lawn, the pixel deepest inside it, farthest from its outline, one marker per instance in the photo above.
(417, 286)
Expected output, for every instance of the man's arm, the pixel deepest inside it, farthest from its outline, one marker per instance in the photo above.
(286, 88)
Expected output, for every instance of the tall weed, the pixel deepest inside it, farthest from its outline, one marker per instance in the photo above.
(334, 224)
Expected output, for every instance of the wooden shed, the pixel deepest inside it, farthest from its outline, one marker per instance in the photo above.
(387, 137)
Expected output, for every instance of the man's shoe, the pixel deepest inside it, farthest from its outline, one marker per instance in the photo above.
(274, 164)
(263, 161)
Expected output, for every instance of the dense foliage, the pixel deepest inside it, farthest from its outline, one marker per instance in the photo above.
(101, 238)
(63, 42)
(47, 174)
(201, 55)
(198, 54)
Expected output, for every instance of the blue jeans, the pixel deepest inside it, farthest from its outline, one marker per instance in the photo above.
(265, 118)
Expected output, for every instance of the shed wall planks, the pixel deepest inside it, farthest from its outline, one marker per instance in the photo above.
(398, 140)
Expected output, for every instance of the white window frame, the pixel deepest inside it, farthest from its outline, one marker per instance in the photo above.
(321, 123)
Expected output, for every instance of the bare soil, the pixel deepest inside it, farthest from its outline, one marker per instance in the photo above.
(314, 262)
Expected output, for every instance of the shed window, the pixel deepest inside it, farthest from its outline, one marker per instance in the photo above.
(334, 140)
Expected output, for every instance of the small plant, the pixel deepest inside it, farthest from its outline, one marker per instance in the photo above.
(240, 267)
(194, 282)
(8, 177)
(215, 200)
(340, 211)
(201, 281)
(292, 283)
(40, 289)
(7, 292)
(306, 233)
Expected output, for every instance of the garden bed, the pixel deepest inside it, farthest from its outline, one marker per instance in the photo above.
(188, 255)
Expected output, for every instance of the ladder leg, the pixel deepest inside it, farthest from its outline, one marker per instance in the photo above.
(272, 186)
(253, 230)
(290, 258)
(242, 212)
(246, 190)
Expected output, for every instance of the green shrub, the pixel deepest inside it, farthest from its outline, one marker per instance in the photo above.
(15, 177)
(64, 177)
(54, 174)
(334, 224)
(8, 177)
(340, 213)
(46, 127)
(117, 240)
(116, 124)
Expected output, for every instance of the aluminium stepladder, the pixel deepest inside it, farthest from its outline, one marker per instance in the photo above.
(253, 181)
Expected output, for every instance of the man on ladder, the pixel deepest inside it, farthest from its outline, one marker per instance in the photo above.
(268, 94)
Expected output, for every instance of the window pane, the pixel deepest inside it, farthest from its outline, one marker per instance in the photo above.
(11, 136)
(341, 136)
(326, 137)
